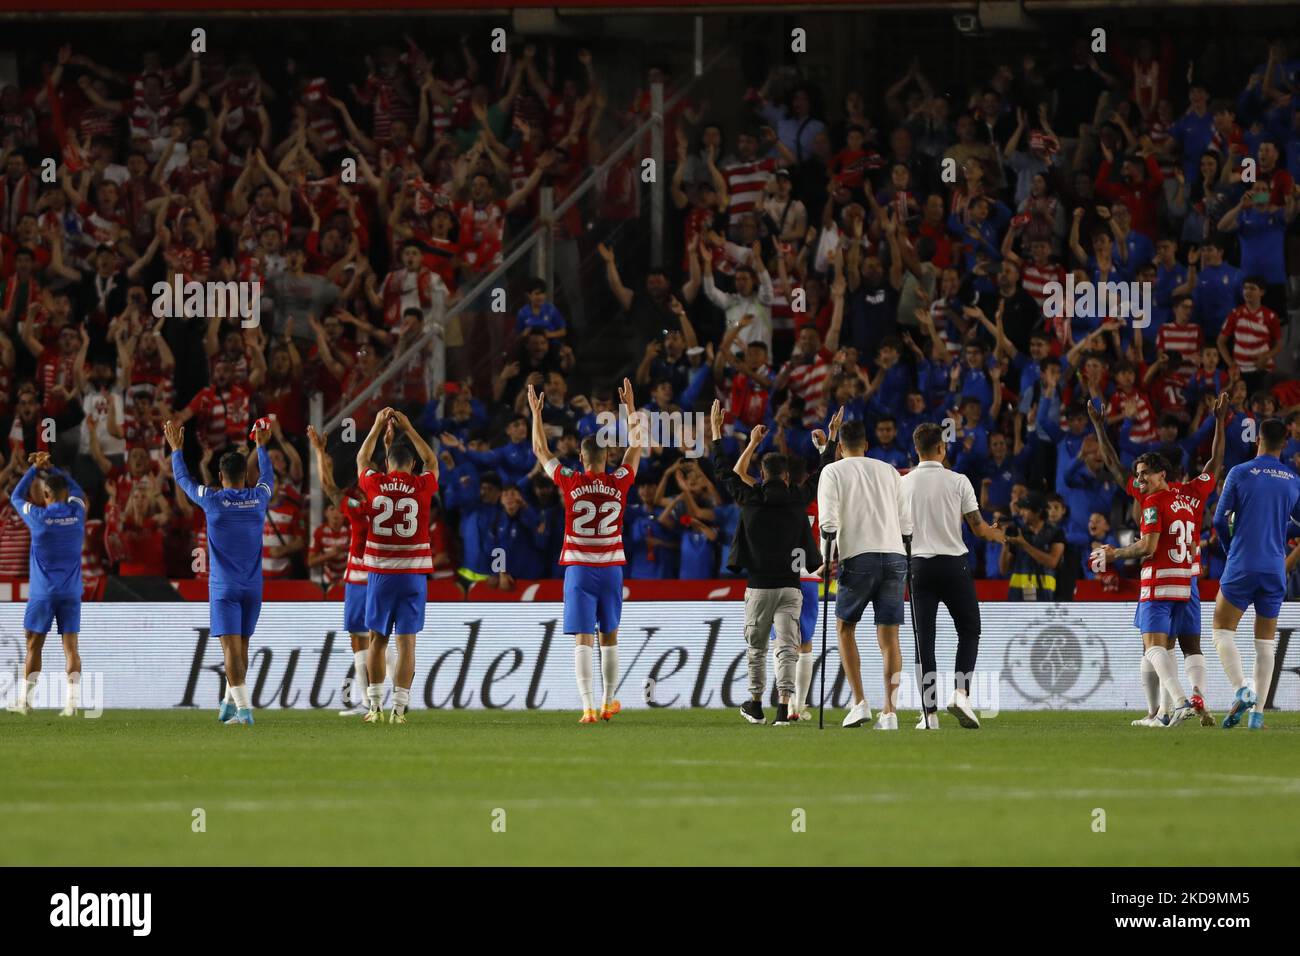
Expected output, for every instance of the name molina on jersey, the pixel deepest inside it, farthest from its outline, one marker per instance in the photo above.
(399, 487)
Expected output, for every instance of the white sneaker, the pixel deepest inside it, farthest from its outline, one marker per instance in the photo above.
(24, 709)
(1143, 721)
(959, 706)
(933, 723)
(806, 714)
(1182, 712)
(887, 722)
(858, 714)
(360, 710)
(68, 712)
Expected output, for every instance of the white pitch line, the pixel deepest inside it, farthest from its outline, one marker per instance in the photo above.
(967, 794)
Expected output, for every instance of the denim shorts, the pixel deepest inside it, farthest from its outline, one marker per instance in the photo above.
(873, 578)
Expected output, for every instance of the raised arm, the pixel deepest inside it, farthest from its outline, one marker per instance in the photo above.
(540, 448)
(324, 466)
(1108, 453)
(367, 450)
(174, 432)
(634, 435)
(426, 453)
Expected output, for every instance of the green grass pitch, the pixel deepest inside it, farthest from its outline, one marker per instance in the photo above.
(663, 787)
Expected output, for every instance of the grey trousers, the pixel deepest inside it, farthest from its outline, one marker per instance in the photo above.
(765, 608)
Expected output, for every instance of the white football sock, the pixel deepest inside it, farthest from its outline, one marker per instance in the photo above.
(29, 687)
(401, 697)
(1150, 687)
(1194, 665)
(582, 670)
(1167, 668)
(803, 669)
(608, 673)
(1264, 654)
(359, 678)
(241, 696)
(375, 695)
(1226, 646)
(1167, 702)
(74, 690)
(230, 694)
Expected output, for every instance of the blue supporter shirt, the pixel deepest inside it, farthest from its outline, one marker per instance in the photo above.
(57, 532)
(1263, 496)
(699, 558)
(548, 319)
(1260, 234)
(235, 519)
(1217, 292)
(523, 544)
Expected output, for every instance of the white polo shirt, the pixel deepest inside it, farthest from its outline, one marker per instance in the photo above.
(938, 499)
(861, 500)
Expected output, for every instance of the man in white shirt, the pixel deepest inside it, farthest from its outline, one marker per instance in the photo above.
(860, 505)
(753, 297)
(938, 501)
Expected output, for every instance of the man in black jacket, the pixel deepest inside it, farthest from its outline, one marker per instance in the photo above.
(774, 544)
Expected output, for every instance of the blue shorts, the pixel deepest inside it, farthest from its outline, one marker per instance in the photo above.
(1172, 618)
(871, 578)
(593, 599)
(354, 608)
(395, 603)
(41, 612)
(807, 612)
(1184, 617)
(234, 612)
(1263, 589)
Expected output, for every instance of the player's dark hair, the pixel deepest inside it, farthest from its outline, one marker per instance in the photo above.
(853, 435)
(57, 484)
(775, 466)
(1272, 434)
(593, 453)
(928, 438)
(233, 467)
(536, 285)
(401, 456)
(797, 469)
(1153, 461)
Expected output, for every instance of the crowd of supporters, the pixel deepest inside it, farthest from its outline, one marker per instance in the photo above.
(889, 255)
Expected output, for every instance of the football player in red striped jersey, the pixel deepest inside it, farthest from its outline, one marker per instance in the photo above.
(594, 504)
(398, 554)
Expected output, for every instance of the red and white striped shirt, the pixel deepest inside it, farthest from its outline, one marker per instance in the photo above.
(282, 527)
(1176, 515)
(15, 542)
(401, 510)
(333, 569)
(808, 381)
(594, 504)
(1144, 425)
(92, 552)
(1253, 333)
(358, 516)
(745, 185)
(1183, 340)
(222, 414)
(1034, 278)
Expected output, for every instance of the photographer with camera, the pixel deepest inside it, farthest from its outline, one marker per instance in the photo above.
(1032, 552)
